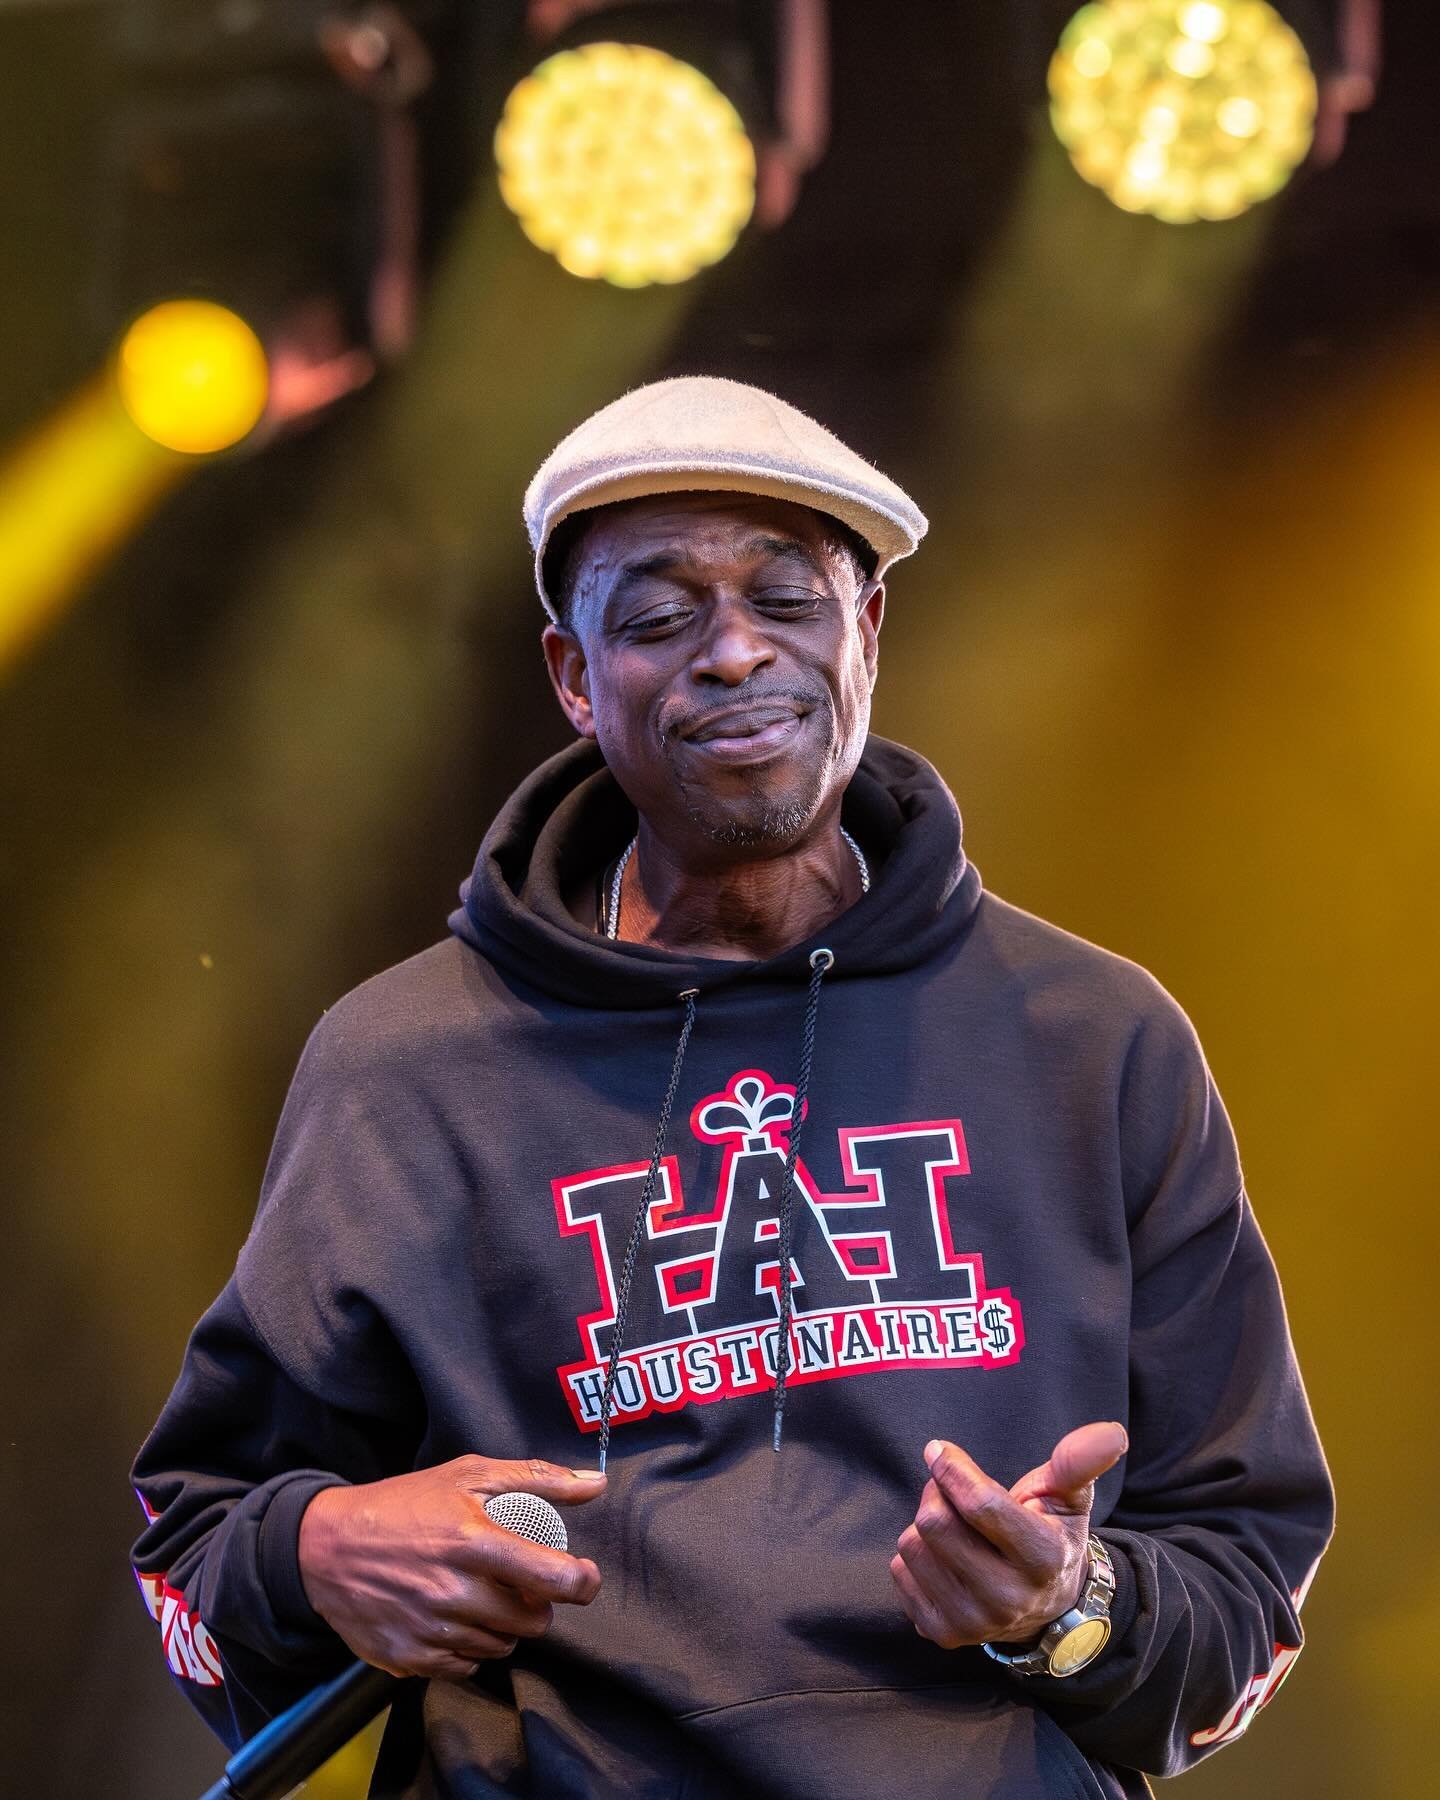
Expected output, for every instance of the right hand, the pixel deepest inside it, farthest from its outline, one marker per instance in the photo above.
(416, 1578)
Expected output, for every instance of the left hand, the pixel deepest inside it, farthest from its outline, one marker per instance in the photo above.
(981, 1562)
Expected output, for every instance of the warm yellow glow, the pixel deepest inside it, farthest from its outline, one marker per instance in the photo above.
(625, 164)
(69, 496)
(193, 376)
(1203, 21)
(1184, 109)
(1092, 57)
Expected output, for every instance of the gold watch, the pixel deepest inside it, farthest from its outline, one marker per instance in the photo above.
(1073, 1641)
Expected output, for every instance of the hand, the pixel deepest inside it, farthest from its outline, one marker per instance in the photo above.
(981, 1563)
(418, 1580)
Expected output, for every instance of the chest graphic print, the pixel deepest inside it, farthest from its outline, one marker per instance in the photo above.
(879, 1279)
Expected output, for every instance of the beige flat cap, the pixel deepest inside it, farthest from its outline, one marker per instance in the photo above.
(701, 432)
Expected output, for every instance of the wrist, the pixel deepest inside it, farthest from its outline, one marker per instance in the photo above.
(316, 1542)
(1031, 1629)
(1076, 1637)
(277, 1550)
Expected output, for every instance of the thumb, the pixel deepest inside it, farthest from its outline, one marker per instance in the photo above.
(1065, 1483)
(487, 1475)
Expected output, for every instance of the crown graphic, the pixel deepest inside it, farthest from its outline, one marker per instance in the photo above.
(750, 1108)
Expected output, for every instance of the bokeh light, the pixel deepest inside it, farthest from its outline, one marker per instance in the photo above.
(193, 376)
(625, 164)
(1185, 109)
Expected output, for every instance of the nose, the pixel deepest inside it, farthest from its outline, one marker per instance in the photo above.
(733, 647)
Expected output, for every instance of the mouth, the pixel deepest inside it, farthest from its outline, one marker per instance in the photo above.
(746, 734)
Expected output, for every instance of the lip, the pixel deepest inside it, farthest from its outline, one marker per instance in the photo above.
(745, 734)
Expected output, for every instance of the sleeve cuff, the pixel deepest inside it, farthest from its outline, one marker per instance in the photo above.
(278, 1552)
(1126, 1604)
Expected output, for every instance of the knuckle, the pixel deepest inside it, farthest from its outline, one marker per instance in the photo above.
(571, 1581)
(986, 1503)
(930, 1522)
(449, 1590)
(540, 1470)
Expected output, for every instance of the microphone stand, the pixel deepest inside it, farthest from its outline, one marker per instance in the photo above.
(292, 1747)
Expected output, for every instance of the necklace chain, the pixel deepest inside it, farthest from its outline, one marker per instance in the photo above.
(612, 911)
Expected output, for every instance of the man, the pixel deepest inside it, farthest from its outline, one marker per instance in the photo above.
(886, 1246)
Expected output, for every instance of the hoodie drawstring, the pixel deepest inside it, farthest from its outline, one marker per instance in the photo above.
(647, 1194)
(821, 962)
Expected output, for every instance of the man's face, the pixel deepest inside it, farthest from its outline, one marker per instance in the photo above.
(721, 649)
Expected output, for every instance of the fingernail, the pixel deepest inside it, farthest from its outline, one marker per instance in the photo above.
(587, 1474)
(1124, 1434)
(932, 1452)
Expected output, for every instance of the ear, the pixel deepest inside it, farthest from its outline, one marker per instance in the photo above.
(569, 676)
(869, 618)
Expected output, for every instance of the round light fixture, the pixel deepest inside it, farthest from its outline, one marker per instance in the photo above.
(1185, 109)
(193, 376)
(626, 164)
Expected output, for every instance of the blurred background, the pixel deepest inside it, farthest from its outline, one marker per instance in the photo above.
(1142, 307)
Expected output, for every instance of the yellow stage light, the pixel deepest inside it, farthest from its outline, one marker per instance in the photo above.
(70, 495)
(1186, 109)
(193, 376)
(625, 164)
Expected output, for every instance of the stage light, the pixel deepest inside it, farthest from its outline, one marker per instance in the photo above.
(193, 376)
(70, 495)
(1185, 109)
(626, 164)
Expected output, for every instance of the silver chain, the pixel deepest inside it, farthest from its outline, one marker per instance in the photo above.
(612, 911)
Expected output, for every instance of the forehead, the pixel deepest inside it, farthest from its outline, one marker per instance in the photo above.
(702, 527)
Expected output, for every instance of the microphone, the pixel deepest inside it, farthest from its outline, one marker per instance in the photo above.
(291, 1748)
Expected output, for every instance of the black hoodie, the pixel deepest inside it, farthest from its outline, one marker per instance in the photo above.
(1018, 1208)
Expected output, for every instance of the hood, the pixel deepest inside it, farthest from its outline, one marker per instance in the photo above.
(568, 819)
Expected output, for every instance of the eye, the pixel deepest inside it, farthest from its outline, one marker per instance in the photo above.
(660, 622)
(788, 600)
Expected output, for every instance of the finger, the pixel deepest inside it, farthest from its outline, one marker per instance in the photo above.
(472, 1644)
(954, 1540)
(953, 1600)
(537, 1570)
(458, 1665)
(991, 1509)
(441, 1660)
(491, 1606)
(1066, 1483)
(919, 1608)
(487, 1475)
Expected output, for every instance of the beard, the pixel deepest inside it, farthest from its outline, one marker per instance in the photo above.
(755, 816)
(763, 823)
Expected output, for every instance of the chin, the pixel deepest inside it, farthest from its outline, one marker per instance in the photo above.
(756, 819)
(774, 828)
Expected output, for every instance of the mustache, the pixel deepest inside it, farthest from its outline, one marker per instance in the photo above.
(682, 722)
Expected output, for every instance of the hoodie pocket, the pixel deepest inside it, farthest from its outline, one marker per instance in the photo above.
(951, 1742)
(1075, 1774)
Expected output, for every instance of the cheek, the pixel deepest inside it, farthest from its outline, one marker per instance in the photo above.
(621, 703)
(853, 686)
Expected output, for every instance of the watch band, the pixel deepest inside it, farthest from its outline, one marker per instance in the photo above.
(1071, 1642)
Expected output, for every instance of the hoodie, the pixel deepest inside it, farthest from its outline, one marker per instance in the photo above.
(1016, 1206)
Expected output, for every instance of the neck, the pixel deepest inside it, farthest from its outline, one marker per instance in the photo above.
(745, 910)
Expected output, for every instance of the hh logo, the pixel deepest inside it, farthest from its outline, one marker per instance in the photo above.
(878, 1278)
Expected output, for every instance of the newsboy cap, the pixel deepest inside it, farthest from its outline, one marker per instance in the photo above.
(702, 432)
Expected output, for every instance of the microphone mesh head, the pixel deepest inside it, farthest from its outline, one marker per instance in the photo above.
(528, 1516)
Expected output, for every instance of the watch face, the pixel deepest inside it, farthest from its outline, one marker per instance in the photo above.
(1077, 1647)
